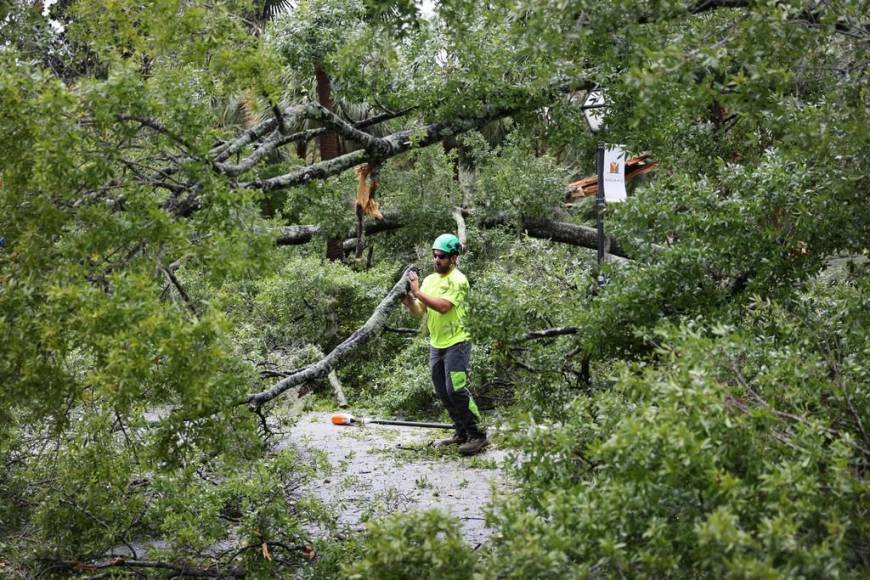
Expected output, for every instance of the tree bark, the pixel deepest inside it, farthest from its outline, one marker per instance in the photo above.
(337, 389)
(328, 142)
(562, 232)
(302, 234)
(547, 333)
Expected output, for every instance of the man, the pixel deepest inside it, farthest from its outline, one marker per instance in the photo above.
(444, 297)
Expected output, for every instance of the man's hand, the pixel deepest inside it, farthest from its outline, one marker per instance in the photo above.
(409, 300)
(414, 282)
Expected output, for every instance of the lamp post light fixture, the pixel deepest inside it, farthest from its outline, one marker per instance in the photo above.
(594, 109)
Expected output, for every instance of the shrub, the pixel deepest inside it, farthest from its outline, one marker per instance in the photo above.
(735, 454)
(418, 545)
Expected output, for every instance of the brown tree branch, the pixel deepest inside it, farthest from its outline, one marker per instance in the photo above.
(177, 569)
(302, 234)
(389, 146)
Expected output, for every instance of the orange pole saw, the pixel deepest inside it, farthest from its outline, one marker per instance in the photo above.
(347, 419)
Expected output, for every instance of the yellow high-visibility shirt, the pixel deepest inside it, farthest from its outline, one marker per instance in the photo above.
(447, 329)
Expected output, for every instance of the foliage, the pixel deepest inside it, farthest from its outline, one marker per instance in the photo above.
(404, 387)
(708, 416)
(315, 30)
(714, 461)
(516, 184)
(417, 545)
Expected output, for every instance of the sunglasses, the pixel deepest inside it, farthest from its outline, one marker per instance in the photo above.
(440, 256)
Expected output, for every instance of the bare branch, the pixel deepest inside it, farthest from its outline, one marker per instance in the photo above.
(547, 333)
(155, 125)
(170, 275)
(302, 234)
(374, 145)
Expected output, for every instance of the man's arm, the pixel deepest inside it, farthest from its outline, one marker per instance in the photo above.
(442, 305)
(413, 305)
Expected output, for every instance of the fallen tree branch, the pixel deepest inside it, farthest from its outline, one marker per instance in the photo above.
(224, 151)
(556, 231)
(568, 233)
(374, 145)
(278, 139)
(547, 333)
(375, 148)
(399, 142)
(302, 234)
(362, 335)
(177, 569)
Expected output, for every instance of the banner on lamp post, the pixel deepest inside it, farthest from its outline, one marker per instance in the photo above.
(614, 174)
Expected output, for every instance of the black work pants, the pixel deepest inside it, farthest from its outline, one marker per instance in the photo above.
(450, 368)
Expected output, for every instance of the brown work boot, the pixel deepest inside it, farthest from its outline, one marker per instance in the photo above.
(457, 439)
(474, 446)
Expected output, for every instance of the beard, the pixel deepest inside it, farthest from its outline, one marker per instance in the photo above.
(443, 267)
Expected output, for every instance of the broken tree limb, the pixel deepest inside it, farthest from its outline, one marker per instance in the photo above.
(302, 234)
(541, 228)
(568, 233)
(276, 140)
(460, 227)
(186, 202)
(387, 147)
(336, 387)
(297, 235)
(360, 336)
(547, 333)
(588, 186)
(374, 145)
(556, 231)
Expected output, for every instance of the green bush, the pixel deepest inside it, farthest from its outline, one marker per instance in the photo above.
(734, 454)
(416, 545)
(517, 184)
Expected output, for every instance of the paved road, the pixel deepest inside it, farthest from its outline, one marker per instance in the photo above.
(381, 469)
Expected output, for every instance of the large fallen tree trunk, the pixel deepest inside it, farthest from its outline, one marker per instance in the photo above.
(568, 233)
(302, 234)
(545, 229)
(321, 368)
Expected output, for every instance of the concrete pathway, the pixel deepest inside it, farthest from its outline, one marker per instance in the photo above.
(379, 469)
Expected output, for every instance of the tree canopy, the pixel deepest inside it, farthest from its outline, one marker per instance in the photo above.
(163, 211)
